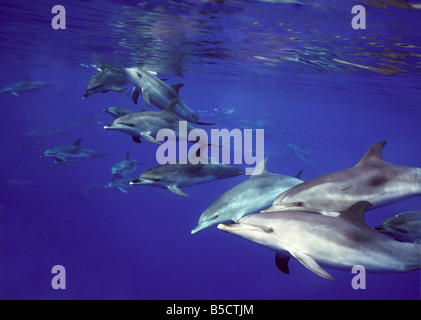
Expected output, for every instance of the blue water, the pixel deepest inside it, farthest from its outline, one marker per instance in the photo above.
(300, 71)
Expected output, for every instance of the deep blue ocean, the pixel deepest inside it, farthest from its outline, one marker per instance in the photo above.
(297, 69)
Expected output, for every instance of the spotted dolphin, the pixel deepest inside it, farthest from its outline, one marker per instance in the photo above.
(372, 179)
(405, 226)
(25, 85)
(156, 92)
(147, 124)
(319, 241)
(178, 175)
(69, 154)
(106, 79)
(250, 196)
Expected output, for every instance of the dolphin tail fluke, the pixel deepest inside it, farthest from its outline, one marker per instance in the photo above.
(177, 191)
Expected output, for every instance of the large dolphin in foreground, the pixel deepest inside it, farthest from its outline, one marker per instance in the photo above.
(147, 124)
(69, 154)
(24, 86)
(405, 226)
(106, 79)
(175, 176)
(156, 92)
(316, 240)
(250, 196)
(372, 179)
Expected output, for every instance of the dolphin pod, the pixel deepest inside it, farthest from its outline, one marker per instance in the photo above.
(320, 222)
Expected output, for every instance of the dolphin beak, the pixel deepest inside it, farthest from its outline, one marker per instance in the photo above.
(140, 181)
(197, 229)
(109, 127)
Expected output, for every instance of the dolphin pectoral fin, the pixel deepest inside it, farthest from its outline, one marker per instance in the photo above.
(311, 264)
(135, 94)
(146, 97)
(117, 89)
(177, 191)
(150, 138)
(15, 93)
(281, 261)
(122, 190)
(136, 139)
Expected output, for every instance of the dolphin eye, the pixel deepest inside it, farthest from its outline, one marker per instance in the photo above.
(215, 217)
(139, 75)
(298, 204)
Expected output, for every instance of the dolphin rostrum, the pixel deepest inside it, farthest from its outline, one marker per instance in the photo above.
(372, 179)
(156, 92)
(405, 226)
(106, 79)
(25, 85)
(146, 124)
(316, 240)
(178, 175)
(250, 196)
(70, 154)
(117, 112)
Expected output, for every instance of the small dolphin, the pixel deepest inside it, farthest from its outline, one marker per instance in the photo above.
(25, 85)
(106, 79)
(120, 184)
(146, 124)
(117, 112)
(405, 226)
(156, 92)
(252, 195)
(372, 179)
(175, 176)
(316, 240)
(45, 131)
(300, 153)
(69, 154)
(125, 168)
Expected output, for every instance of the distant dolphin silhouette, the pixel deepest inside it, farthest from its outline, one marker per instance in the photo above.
(24, 86)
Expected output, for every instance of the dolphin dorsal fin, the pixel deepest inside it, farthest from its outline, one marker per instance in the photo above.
(77, 142)
(373, 155)
(127, 155)
(171, 106)
(177, 86)
(356, 211)
(261, 167)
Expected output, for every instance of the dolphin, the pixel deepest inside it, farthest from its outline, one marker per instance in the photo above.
(156, 92)
(25, 85)
(405, 226)
(252, 195)
(178, 175)
(69, 154)
(120, 184)
(372, 179)
(125, 168)
(316, 240)
(106, 79)
(117, 112)
(146, 124)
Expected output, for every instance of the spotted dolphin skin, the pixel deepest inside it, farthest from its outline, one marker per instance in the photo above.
(372, 179)
(175, 176)
(250, 196)
(405, 226)
(69, 154)
(319, 241)
(105, 80)
(156, 92)
(147, 124)
(25, 85)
